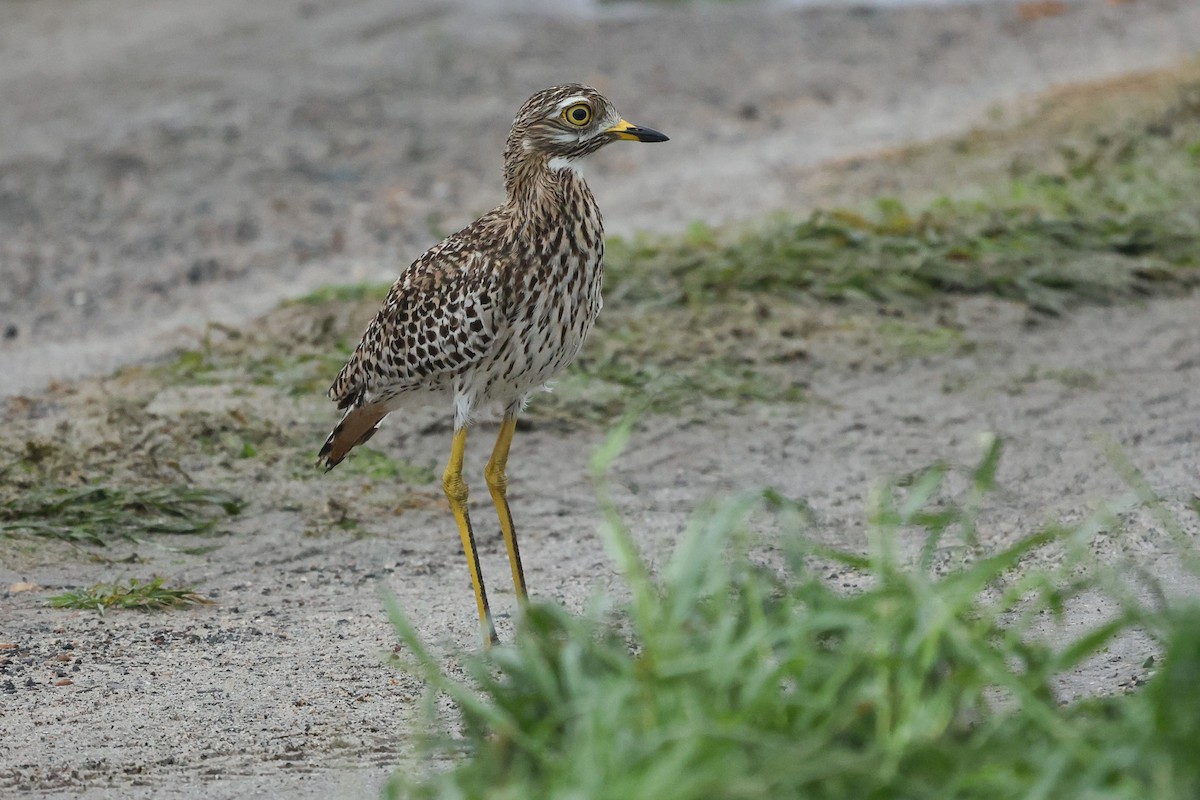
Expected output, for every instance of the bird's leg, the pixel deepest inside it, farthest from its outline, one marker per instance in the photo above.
(456, 493)
(497, 482)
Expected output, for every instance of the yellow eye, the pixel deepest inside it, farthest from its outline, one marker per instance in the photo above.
(578, 115)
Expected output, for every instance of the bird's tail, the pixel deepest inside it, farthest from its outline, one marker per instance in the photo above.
(357, 426)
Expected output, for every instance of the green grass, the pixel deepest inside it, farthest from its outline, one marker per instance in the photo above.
(138, 595)
(1044, 256)
(300, 368)
(724, 677)
(1114, 216)
(97, 515)
(602, 386)
(371, 463)
(344, 293)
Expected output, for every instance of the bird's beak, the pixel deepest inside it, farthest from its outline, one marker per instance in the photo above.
(627, 130)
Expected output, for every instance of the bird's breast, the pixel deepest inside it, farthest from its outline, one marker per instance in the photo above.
(554, 302)
(563, 296)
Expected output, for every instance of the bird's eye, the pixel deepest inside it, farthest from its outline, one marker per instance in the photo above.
(578, 115)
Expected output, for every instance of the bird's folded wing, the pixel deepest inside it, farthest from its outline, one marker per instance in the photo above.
(443, 314)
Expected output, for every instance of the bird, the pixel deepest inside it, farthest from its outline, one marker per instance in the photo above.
(490, 314)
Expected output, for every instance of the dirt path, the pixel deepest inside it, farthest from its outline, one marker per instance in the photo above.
(203, 166)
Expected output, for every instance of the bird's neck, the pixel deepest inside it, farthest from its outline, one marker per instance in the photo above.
(541, 192)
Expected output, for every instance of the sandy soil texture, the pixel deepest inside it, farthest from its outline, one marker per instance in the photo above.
(168, 167)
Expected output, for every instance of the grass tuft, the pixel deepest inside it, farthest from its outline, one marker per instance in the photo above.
(96, 515)
(1110, 217)
(344, 293)
(724, 677)
(149, 595)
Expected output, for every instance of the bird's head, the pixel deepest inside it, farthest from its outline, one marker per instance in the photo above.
(559, 125)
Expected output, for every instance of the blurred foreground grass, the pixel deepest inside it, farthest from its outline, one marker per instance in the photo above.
(721, 677)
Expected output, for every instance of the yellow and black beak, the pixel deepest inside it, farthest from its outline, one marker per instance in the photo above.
(627, 130)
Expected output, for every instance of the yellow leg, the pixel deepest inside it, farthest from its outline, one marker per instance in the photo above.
(456, 493)
(497, 482)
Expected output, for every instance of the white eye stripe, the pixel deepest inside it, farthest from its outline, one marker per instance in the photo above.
(572, 100)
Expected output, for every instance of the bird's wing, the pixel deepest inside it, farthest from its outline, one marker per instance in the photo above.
(443, 314)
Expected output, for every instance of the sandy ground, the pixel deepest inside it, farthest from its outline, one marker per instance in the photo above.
(167, 167)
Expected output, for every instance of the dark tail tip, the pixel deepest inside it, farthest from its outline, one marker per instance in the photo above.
(326, 457)
(323, 457)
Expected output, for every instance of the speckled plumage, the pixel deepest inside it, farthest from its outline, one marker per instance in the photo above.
(494, 311)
